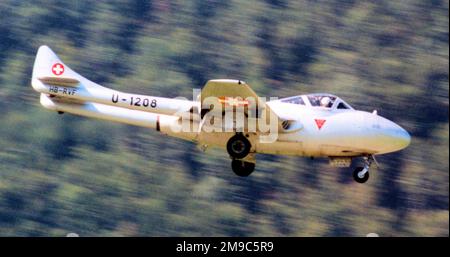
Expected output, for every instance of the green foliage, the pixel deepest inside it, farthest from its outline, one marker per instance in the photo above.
(62, 174)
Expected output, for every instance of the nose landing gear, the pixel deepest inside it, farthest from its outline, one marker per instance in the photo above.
(361, 174)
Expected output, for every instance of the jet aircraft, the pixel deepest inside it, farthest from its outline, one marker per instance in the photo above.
(228, 114)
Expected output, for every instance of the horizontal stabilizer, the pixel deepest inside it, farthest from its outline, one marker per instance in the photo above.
(61, 81)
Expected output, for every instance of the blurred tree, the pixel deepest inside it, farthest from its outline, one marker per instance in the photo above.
(63, 174)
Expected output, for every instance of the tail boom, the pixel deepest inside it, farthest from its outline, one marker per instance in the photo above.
(116, 98)
(161, 122)
(52, 77)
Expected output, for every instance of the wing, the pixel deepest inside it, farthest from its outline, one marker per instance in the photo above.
(227, 93)
(236, 96)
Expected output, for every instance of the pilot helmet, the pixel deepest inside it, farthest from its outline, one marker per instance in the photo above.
(325, 101)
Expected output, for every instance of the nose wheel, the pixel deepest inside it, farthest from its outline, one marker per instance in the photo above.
(361, 174)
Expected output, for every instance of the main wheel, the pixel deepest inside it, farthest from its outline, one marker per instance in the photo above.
(241, 168)
(238, 146)
(357, 177)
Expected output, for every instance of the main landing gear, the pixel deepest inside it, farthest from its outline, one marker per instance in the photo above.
(238, 147)
(361, 174)
(242, 168)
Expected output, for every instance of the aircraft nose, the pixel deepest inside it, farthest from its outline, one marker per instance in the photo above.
(402, 137)
(397, 136)
(387, 136)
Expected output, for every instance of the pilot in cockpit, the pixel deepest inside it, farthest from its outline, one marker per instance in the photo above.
(326, 102)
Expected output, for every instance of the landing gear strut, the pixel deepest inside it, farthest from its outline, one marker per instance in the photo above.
(361, 174)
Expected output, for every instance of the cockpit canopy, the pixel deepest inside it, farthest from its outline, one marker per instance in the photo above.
(322, 100)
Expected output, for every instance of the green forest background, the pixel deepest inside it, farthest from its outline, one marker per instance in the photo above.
(63, 174)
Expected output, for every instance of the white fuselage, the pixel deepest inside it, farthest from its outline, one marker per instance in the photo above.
(345, 132)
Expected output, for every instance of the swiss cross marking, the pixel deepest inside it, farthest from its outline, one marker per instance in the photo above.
(58, 69)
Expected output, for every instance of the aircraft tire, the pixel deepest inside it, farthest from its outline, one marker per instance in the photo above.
(241, 168)
(238, 146)
(357, 178)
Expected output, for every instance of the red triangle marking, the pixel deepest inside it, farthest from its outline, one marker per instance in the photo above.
(319, 123)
